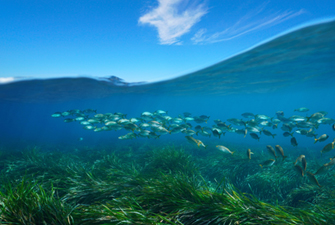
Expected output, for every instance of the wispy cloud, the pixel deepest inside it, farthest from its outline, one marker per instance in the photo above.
(174, 18)
(252, 21)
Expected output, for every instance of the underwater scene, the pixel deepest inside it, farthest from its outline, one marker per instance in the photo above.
(249, 140)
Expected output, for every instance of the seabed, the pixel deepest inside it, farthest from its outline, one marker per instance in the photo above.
(161, 184)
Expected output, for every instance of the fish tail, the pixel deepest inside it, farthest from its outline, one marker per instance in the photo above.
(220, 135)
(284, 157)
(232, 152)
(316, 140)
(273, 135)
(291, 134)
(197, 133)
(261, 166)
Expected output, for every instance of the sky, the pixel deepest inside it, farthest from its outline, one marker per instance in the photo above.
(138, 40)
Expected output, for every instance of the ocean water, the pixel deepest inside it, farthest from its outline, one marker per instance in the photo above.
(291, 71)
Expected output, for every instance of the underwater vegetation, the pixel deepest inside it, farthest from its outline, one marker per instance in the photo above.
(168, 184)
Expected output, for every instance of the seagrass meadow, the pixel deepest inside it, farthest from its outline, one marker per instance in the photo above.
(157, 184)
(104, 151)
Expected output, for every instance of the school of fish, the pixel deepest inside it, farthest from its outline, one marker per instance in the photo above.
(155, 124)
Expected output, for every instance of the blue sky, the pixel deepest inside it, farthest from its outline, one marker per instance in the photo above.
(138, 40)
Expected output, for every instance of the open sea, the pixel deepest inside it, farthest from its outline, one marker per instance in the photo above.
(136, 160)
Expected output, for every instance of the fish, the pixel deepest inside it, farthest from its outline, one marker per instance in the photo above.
(254, 136)
(267, 163)
(89, 127)
(217, 132)
(322, 170)
(299, 170)
(333, 126)
(160, 112)
(271, 151)
(177, 130)
(187, 114)
(313, 179)
(248, 115)
(305, 124)
(302, 131)
(328, 147)
(242, 131)
(189, 132)
(128, 136)
(153, 135)
(85, 123)
(262, 117)
(254, 129)
(66, 113)
(280, 113)
(224, 149)
(249, 153)
(204, 133)
(268, 133)
(301, 159)
(286, 134)
(80, 118)
(99, 115)
(321, 138)
(325, 120)
(200, 120)
(315, 116)
(286, 127)
(69, 120)
(98, 129)
(194, 141)
(297, 118)
(331, 163)
(281, 151)
(294, 141)
(144, 133)
(56, 114)
(236, 122)
(90, 111)
(302, 109)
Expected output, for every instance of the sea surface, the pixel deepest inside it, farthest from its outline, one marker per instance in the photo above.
(291, 71)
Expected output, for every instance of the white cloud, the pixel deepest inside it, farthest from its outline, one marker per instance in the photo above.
(4, 80)
(173, 18)
(254, 20)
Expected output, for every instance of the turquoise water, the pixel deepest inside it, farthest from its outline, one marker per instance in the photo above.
(289, 72)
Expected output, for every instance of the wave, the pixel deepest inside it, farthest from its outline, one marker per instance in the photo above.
(301, 58)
